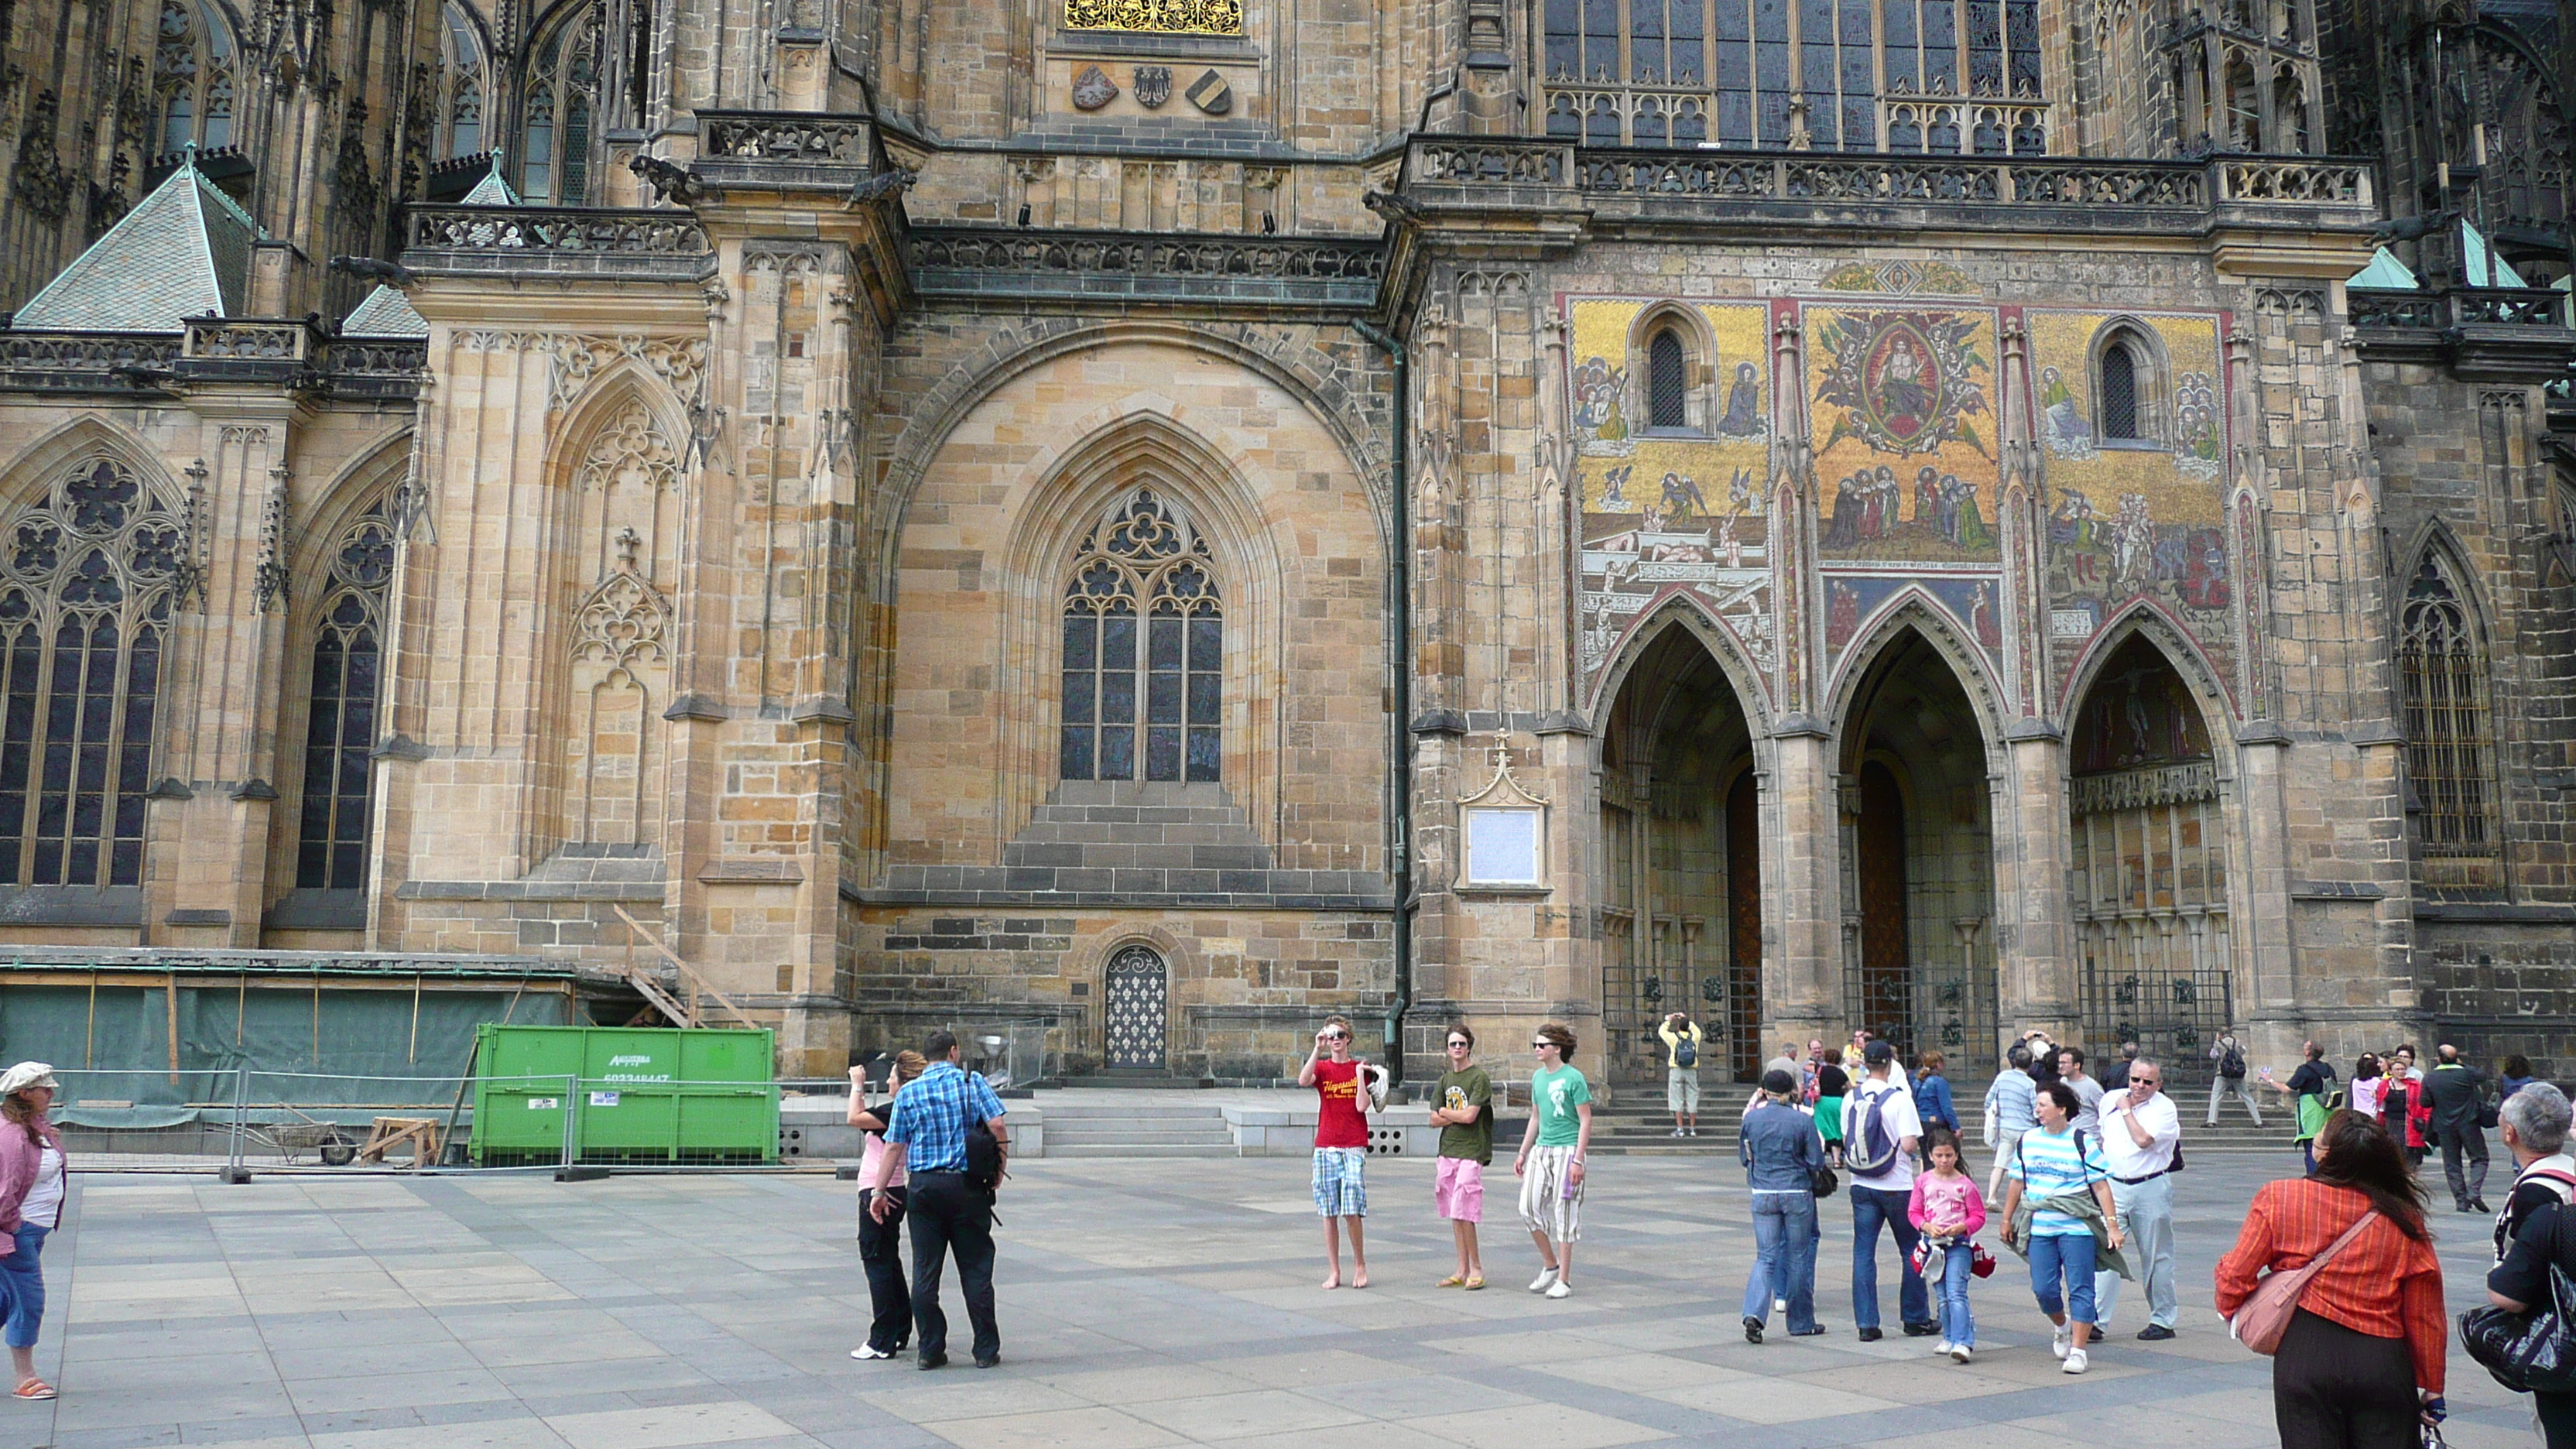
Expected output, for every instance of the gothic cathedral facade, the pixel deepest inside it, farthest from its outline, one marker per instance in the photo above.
(1150, 521)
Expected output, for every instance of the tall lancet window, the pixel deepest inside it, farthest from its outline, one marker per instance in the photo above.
(1144, 650)
(340, 720)
(84, 620)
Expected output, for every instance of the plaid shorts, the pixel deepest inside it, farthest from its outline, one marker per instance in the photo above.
(1341, 1184)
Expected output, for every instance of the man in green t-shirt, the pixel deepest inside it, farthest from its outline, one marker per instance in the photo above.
(1550, 1164)
(1465, 1117)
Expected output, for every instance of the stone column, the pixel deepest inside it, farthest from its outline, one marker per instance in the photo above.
(2035, 965)
(1802, 951)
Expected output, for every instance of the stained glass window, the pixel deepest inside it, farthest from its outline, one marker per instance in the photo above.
(192, 76)
(340, 719)
(2119, 392)
(1654, 72)
(84, 616)
(2443, 661)
(462, 82)
(1667, 384)
(1143, 565)
(562, 95)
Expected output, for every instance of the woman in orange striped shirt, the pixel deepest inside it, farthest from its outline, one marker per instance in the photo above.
(2361, 1366)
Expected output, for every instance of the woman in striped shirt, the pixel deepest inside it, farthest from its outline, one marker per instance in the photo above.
(2051, 1164)
(2361, 1366)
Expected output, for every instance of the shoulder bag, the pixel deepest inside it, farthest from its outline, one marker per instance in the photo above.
(2264, 1317)
(2531, 1351)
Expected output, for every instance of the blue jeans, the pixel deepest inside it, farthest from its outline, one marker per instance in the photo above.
(1784, 1258)
(1958, 1323)
(22, 1288)
(1870, 1208)
(2070, 1255)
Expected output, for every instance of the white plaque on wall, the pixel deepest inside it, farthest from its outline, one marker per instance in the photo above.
(1503, 845)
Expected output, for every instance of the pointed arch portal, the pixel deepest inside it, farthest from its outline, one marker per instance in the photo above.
(1682, 900)
(1919, 965)
(2149, 881)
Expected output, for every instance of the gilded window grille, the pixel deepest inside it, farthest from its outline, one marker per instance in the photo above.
(1160, 17)
(2449, 747)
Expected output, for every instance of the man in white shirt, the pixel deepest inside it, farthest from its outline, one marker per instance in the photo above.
(2142, 1141)
(1881, 1191)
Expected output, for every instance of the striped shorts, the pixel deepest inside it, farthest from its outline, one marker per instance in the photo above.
(1341, 1182)
(1544, 1206)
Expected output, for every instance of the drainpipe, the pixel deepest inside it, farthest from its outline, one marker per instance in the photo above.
(1400, 673)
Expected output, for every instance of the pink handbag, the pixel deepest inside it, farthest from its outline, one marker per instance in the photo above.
(2264, 1317)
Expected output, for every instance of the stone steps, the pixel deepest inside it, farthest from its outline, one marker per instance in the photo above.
(1146, 1124)
(1135, 1149)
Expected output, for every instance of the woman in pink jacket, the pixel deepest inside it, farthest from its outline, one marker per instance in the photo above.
(31, 1203)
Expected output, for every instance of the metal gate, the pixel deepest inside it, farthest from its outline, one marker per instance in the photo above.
(1137, 991)
(2173, 1013)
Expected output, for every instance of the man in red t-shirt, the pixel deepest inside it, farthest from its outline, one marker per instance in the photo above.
(1340, 1080)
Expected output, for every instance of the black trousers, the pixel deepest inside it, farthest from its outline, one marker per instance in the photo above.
(949, 1216)
(2557, 1419)
(2333, 1388)
(881, 1253)
(2473, 1140)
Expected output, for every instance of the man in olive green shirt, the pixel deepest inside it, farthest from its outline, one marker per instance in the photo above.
(1465, 1117)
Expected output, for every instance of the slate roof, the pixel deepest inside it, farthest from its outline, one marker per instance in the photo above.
(183, 251)
(384, 313)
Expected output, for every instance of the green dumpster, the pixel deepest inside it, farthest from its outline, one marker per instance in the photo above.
(624, 1095)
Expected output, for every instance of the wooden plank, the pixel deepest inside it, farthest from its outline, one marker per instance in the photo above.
(695, 981)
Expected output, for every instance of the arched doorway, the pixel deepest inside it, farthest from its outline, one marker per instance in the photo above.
(2149, 846)
(1918, 861)
(1135, 997)
(1681, 899)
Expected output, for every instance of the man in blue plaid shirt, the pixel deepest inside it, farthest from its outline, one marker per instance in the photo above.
(949, 1213)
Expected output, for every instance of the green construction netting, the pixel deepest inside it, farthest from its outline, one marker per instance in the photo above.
(334, 1044)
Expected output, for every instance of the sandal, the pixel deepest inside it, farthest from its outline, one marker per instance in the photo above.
(1472, 1284)
(33, 1390)
(1454, 1280)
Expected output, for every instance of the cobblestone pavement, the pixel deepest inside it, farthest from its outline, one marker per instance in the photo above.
(1143, 1303)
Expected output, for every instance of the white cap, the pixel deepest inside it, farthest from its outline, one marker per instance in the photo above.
(25, 1075)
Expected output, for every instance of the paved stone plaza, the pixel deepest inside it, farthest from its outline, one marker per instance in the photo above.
(1143, 1303)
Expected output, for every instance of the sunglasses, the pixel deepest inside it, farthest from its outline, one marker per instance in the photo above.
(1453, 1041)
(1337, 1036)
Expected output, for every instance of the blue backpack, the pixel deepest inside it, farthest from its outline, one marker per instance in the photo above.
(1868, 1147)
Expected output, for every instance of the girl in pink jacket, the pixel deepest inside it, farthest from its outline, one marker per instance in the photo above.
(1948, 1210)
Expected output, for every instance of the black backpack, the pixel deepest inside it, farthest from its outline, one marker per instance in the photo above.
(1684, 1054)
(2231, 1063)
(983, 1157)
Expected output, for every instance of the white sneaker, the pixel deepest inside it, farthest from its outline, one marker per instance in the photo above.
(2075, 1361)
(2063, 1343)
(1943, 1347)
(1959, 1353)
(1560, 1289)
(1779, 1305)
(1677, 1132)
(864, 1351)
(1694, 1132)
(1545, 1280)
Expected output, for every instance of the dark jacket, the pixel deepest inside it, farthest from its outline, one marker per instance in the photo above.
(2453, 1092)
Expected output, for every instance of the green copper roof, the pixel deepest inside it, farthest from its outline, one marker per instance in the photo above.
(2384, 274)
(183, 251)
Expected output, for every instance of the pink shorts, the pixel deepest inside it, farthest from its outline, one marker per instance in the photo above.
(1459, 1190)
